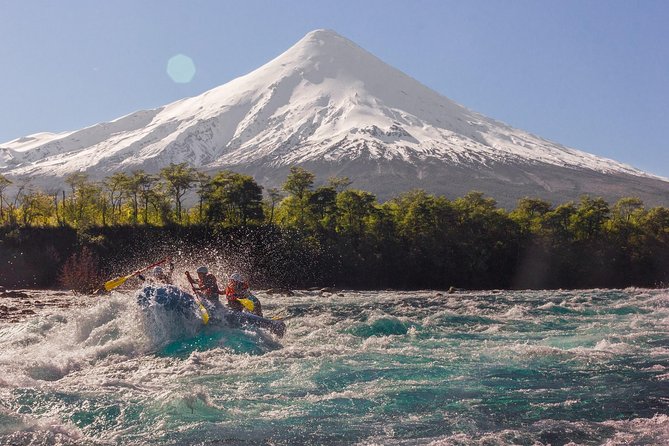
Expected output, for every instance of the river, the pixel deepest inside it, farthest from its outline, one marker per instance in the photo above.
(354, 368)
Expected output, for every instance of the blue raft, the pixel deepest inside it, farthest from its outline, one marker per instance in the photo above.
(172, 298)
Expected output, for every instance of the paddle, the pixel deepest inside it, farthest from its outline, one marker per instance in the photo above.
(248, 304)
(117, 282)
(203, 310)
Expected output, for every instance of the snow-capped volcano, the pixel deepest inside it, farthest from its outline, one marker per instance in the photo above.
(334, 108)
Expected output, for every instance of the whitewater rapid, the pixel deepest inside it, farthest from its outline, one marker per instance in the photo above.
(367, 368)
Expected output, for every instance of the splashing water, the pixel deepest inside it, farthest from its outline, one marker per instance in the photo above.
(587, 367)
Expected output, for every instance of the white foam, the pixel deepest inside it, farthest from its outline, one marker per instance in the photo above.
(640, 431)
(109, 351)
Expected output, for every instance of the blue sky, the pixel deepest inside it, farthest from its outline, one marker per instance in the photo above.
(589, 74)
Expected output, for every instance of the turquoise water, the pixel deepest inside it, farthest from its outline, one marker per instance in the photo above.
(372, 368)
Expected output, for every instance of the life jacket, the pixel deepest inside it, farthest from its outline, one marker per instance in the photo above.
(236, 290)
(208, 286)
(240, 290)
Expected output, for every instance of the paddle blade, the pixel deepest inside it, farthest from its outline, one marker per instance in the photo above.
(205, 314)
(111, 284)
(248, 304)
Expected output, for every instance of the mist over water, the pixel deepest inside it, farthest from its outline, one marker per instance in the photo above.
(417, 368)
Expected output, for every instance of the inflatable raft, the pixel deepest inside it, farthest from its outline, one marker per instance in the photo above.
(172, 298)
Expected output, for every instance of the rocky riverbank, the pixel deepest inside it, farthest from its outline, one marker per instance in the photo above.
(17, 305)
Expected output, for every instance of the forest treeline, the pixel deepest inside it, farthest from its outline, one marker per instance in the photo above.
(301, 235)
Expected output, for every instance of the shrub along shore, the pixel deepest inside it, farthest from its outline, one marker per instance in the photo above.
(302, 236)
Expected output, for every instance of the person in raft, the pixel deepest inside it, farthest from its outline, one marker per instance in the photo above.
(159, 275)
(238, 289)
(206, 285)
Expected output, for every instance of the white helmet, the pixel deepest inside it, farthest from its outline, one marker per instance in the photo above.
(158, 271)
(202, 270)
(236, 277)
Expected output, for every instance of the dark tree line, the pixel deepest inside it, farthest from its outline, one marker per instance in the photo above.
(303, 235)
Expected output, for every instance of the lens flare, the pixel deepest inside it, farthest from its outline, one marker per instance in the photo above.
(181, 69)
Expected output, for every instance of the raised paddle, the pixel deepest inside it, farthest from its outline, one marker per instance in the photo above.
(117, 282)
(203, 310)
(247, 303)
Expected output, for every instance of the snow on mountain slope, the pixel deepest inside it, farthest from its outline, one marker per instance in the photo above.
(325, 100)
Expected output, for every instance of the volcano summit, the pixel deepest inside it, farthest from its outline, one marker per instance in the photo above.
(330, 106)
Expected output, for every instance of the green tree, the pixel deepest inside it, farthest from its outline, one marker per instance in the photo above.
(323, 207)
(654, 240)
(203, 189)
(4, 184)
(558, 222)
(13, 206)
(417, 212)
(530, 214)
(488, 241)
(179, 178)
(426, 226)
(627, 209)
(114, 187)
(132, 189)
(160, 201)
(625, 250)
(234, 198)
(84, 207)
(36, 208)
(588, 221)
(71, 210)
(138, 188)
(355, 207)
(655, 223)
(299, 184)
(274, 196)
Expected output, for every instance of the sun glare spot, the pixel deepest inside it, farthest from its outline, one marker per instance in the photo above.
(181, 69)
